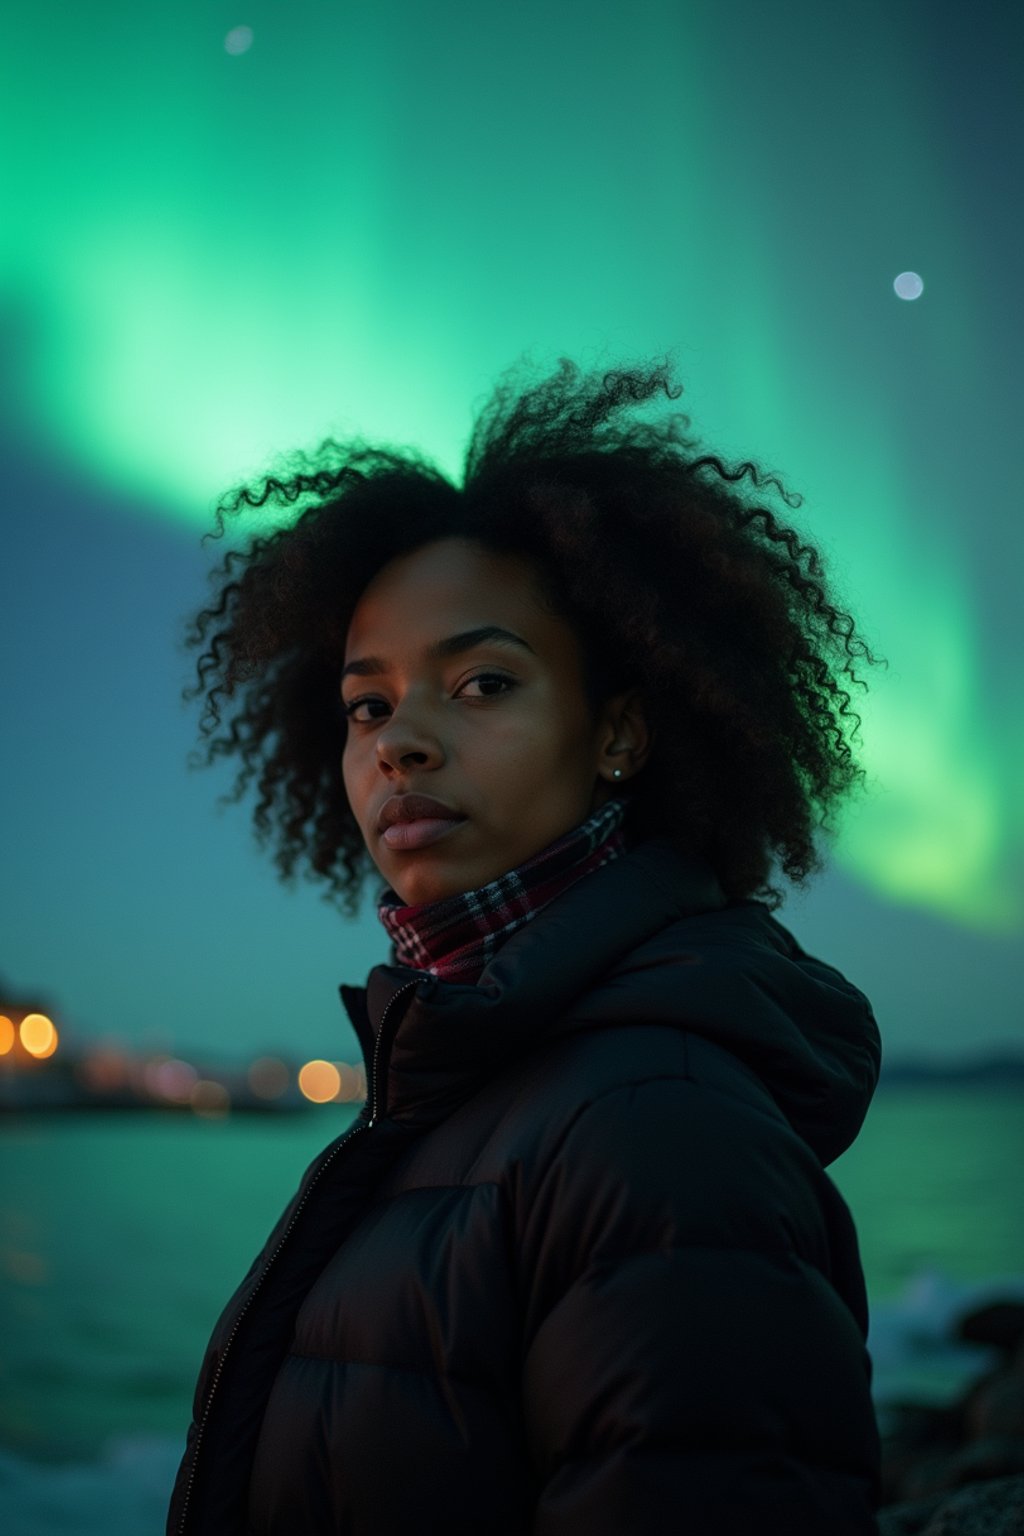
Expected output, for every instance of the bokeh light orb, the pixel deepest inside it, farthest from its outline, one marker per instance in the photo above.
(238, 40)
(908, 286)
(7, 1034)
(348, 1086)
(38, 1034)
(209, 1099)
(104, 1070)
(268, 1077)
(172, 1079)
(353, 1083)
(319, 1081)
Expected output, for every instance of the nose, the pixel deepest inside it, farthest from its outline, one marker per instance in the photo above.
(403, 743)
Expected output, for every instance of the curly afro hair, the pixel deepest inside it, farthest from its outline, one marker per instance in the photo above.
(677, 581)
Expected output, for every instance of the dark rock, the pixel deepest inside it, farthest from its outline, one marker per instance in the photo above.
(996, 1407)
(920, 1426)
(917, 1444)
(929, 1475)
(994, 1508)
(1000, 1324)
(985, 1459)
(998, 1456)
(971, 1405)
(983, 1509)
(958, 1470)
(908, 1519)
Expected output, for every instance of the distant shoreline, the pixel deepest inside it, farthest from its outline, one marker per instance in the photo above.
(977, 1071)
(58, 1089)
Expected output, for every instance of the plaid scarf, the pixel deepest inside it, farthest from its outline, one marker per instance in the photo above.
(455, 936)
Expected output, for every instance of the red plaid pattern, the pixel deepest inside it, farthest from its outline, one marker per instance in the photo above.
(455, 937)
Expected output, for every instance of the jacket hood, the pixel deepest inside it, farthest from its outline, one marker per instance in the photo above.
(647, 938)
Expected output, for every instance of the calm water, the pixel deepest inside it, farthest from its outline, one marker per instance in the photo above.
(121, 1237)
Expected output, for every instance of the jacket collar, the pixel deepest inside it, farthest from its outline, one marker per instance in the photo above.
(452, 1036)
(649, 938)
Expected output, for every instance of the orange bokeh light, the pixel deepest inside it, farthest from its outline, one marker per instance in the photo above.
(7, 1034)
(319, 1081)
(38, 1034)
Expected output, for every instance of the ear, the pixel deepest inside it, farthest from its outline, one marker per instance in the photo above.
(625, 737)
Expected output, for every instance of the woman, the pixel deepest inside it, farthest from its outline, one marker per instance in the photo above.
(577, 1268)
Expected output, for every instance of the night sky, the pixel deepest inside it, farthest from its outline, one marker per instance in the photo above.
(233, 233)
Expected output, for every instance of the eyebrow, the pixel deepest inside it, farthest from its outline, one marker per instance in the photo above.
(454, 645)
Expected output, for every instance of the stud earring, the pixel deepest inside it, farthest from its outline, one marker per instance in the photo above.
(616, 773)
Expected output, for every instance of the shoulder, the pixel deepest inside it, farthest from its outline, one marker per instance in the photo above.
(594, 1083)
(644, 1128)
(666, 1164)
(681, 1114)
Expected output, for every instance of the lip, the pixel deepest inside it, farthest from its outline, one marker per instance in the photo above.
(414, 808)
(403, 836)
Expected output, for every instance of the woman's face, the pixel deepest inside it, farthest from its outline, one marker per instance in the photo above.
(496, 728)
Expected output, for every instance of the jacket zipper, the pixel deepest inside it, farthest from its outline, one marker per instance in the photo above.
(376, 1110)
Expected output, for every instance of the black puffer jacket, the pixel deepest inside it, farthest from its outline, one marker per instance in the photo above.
(577, 1269)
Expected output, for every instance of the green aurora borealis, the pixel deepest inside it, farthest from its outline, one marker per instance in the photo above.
(357, 223)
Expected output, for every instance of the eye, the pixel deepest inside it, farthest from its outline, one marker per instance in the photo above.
(507, 684)
(350, 709)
